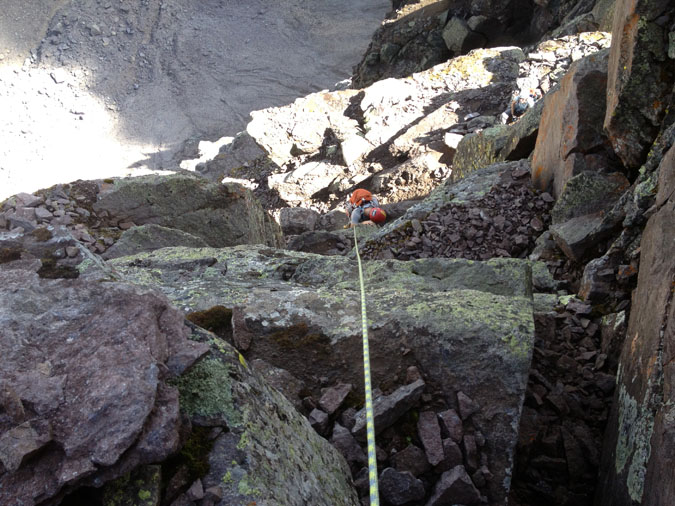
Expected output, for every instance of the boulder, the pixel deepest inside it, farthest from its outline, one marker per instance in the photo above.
(296, 220)
(150, 237)
(303, 313)
(588, 193)
(640, 77)
(301, 184)
(221, 215)
(86, 367)
(333, 397)
(412, 459)
(588, 211)
(455, 487)
(387, 409)
(322, 242)
(637, 462)
(571, 128)
(400, 488)
(233, 157)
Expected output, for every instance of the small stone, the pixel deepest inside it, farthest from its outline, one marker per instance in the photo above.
(412, 374)
(72, 251)
(412, 459)
(126, 225)
(196, 491)
(319, 421)
(333, 398)
(452, 424)
(429, 432)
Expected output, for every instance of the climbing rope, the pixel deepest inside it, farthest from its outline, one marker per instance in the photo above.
(370, 423)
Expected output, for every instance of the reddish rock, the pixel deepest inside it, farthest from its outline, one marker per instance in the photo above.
(454, 487)
(638, 458)
(429, 432)
(412, 459)
(571, 123)
(332, 398)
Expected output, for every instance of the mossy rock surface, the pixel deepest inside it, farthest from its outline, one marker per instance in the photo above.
(469, 325)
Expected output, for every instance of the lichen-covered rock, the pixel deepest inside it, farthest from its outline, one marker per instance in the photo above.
(303, 312)
(640, 78)
(150, 237)
(268, 454)
(638, 461)
(222, 215)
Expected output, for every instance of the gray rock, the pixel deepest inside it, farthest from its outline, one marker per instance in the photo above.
(350, 449)
(305, 318)
(296, 220)
(411, 459)
(387, 409)
(452, 424)
(588, 193)
(574, 237)
(221, 215)
(282, 380)
(454, 487)
(319, 421)
(333, 397)
(399, 488)
(149, 238)
(453, 455)
(429, 432)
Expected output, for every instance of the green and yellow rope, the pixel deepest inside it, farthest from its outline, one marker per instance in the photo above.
(370, 422)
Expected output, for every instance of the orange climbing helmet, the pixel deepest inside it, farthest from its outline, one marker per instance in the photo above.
(376, 215)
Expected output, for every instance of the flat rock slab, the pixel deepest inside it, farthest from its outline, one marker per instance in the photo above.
(468, 324)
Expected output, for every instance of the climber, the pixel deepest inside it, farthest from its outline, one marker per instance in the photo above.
(363, 207)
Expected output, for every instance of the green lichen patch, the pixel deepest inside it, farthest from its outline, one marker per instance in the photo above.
(206, 390)
(141, 487)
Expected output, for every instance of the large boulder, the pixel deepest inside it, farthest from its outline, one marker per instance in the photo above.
(85, 370)
(571, 130)
(221, 215)
(638, 458)
(640, 78)
(468, 324)
(101, 377)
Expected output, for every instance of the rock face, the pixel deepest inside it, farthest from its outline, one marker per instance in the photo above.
(570, 138)
(221, 215)
(84, 370)
(302, 309)
(641, 77)
(638, 459)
